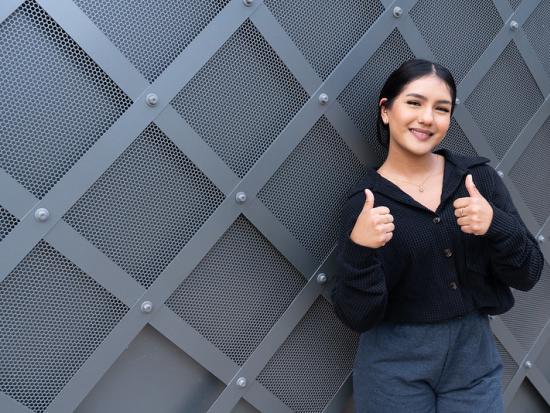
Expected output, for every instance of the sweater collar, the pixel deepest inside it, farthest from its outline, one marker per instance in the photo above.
(456, 168)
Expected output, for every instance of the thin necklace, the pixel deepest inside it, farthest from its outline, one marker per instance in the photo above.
(421, 186)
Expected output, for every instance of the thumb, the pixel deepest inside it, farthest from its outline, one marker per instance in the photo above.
(470, 186)
(369, 200)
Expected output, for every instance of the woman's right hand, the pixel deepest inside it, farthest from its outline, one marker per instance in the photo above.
(374, 226)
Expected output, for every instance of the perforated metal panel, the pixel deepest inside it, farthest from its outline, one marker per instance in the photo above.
(66, 316)
(238, 291)
(499, 94)
(57, 101)
(146, 206)
(310, 183)
(308, 363)
(185, 237)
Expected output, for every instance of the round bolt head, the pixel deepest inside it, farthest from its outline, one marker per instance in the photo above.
(514, 25)
(240, 197)
(323, 98)
(322, 278)
(41, 214)
(457, 101)
(146, 306)
(241, 382)
(491, 317)
(397, 11)
(500, 173)
(152, 99)
(540, 238)
(528, 364)
(248, 3)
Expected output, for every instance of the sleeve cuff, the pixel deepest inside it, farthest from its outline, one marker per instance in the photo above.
(356, 254)
(502, 225)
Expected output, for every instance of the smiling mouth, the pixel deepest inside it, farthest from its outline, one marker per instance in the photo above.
(421, 134)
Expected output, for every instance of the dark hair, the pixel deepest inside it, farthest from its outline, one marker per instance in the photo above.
(406, 73)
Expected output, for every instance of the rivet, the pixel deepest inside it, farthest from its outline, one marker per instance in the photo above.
(528, 364)
(514, 25)
(152, 99)
(540, 238)
(500, 173)
(323, 98)
(457, 101)
(491, 317)
(322, 278)
(248, 3)
(240, 197)
(41, 214)
(241, 382)
(146, 307)
(397, 11)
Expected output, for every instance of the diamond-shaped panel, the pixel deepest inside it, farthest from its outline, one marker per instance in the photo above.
(56, 101)
(53, 317)
(151, 34)
(538, 31)
(144, 209)
(238, 291)
(308, 190)
(314, 360)
(456, 32)
(499, 94)
(360, 97)
(241, 99)
(530, 312)
(325, 31)
(510, 367)
(531, 172)
(456, 140)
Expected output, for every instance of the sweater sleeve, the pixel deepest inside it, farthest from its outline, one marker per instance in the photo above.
(516, 258)
(359, 295)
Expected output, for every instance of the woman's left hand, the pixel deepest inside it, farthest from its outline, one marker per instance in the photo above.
(474, 213)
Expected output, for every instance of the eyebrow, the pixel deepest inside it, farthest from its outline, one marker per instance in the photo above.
(416, 95)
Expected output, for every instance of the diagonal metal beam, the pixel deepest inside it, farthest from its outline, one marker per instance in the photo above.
(12, 406)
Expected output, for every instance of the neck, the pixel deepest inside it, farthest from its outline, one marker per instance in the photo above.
(407, 164)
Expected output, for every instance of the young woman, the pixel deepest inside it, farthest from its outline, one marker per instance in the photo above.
(430, 245)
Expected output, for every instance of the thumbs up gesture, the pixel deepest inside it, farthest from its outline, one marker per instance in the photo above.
(474, 214)
(374, 226)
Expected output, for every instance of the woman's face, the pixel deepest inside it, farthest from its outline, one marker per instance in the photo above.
(419, 116)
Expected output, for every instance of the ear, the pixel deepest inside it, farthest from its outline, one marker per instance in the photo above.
(383, 110)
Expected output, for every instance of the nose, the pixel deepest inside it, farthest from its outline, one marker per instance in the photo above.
(426, 116)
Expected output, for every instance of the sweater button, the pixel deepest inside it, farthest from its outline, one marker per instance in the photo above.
(453, 285)
(437, 220)
(448, 252)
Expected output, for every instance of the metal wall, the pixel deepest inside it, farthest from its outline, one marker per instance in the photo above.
(171, 178)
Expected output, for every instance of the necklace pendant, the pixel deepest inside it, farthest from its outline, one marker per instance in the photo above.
(421, 188)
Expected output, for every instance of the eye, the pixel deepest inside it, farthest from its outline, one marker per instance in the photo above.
(442, 109)
(413, 102)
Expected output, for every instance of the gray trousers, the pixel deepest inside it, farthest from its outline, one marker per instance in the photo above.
(446, 367)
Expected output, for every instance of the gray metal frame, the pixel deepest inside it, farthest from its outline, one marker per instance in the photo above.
(84, 173)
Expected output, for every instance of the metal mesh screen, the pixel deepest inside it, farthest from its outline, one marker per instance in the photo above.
(238, 291)
(515, 3)
(455, 140)
(240, 112)
(473, 23)
(538, 31)
(310, 187)
(499, 94)
(336, 25)
(7, 223)
(53, 317)
(150, 33)
(360, 97)
(313, 362)
(526, 319)
(57, 101)
(146, 206)
(531, 173)
(508, 363)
